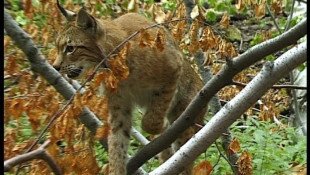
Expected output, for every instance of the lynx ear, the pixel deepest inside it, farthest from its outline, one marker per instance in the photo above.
(86, 21)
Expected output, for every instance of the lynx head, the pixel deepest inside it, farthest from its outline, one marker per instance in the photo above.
(77, 46)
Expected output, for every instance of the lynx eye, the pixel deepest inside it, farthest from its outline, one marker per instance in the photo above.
(69, 49)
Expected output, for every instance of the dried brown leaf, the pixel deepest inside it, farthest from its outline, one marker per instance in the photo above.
(195, 12)
(226, 50)
(145, 39)
(208, 40)
(234, 146)
(178, 30)
(276, 6)
(103, 131)
(101, 108)
(203, 168)
(118, 64)
(99, 78)
(34, 117)
(180, 12)
(11, 66)
(260, 10)
(28, 8)
(159, 15)
(240, 5)
(17, 107)
(225, 21)
(7, 41)
(244, 163)
(160, 40)
(78, 103)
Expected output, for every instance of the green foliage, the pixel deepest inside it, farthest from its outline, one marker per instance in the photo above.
(169, 5)
(16, 4)
(216, 8)
(258, 38)
(221, 6)
(270, 58)
(101, 154)
(21, 124)
(210, 16)
(274, 148)
(301, 67)
(40, 20)
(21, 18)
(226, 6)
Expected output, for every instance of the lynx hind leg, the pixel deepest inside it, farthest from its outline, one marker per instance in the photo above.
(167, 153)
(118, 139)
(153, 121)
(174, 113)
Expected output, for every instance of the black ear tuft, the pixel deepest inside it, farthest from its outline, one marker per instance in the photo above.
(69, 15)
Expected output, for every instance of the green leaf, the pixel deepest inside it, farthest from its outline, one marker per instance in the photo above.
(259, 136)
(233, 33)
(270, 58)
(21, 18)
(210, 16)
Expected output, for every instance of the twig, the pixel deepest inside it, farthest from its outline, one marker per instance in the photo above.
(287, 86)
(217, 162)
(39, 153)
(273, 18)
(288, 22)
(295, 104)
(25, 96)
(228, 161)
(136, 134)
(241, 44)
(257, 110)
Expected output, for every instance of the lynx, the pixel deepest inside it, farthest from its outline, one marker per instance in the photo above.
(161, 82)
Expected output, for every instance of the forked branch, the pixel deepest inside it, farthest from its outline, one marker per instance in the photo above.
(39, 153)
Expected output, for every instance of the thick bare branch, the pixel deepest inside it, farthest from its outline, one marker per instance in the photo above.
(270, 74)
(39, 153)
(42, 67)
(223, 78)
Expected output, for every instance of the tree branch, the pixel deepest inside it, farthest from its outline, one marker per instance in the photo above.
(215, 106)
(42, 67)
(270, 74)
(288, 86)
(223, 78)
(39, 153)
